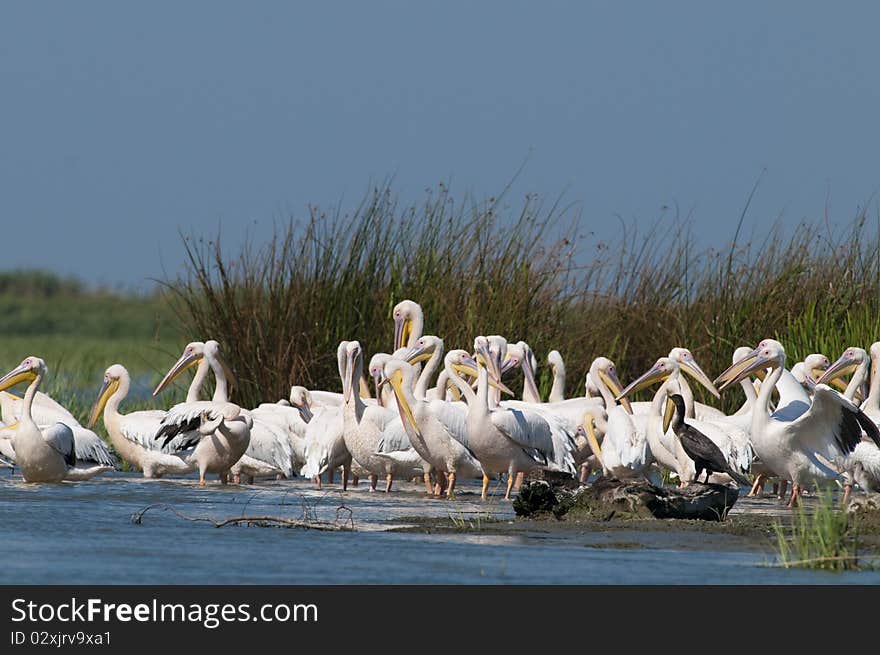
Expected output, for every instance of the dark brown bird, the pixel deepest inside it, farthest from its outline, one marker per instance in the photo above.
(700, 448)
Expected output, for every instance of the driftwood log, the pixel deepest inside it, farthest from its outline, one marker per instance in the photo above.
(611, 499)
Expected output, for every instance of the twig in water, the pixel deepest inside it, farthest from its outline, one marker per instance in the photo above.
(260, 521)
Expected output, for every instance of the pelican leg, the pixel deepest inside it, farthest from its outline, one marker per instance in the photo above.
(795, 496)
(510, 480)
(519, 480)
(355, 480)
(429, 488)
(783, 487)
(374, 480)
(388, 478)
(450, 489)
(585, 473)
(318, 482)
(484, 493)
(758, 487)
(331, 473)
(345, 472)
(201, 478)
(236, 478)
(776, 488)
(439, 484)
(847, 492)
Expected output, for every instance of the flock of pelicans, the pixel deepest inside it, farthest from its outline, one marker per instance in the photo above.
(792, 427)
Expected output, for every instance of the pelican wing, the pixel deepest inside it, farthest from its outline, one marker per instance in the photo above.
(270, 444)
(90, 447)
(394, 438)
(179, 428)
(60, 437)
(833, 424)
(543, 440)
(45, 410)
(140, 427)
(453, 417)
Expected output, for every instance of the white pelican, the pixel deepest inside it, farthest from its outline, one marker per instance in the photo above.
(325, 441)
(557, 366)
(90, 448)
(365, 427)
(509, 440)
(665, 444)
(132, 434)
(218, 430)
(408, 324)
(795, 447)
(437, 429)
(43, 454)
(269, 450)
(863, 464)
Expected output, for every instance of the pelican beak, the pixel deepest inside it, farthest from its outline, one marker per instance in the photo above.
(589, 433)
(348, 378)
(363, 388)
(16, 376)
(668, 413)
(402, 332)
(417, 354)
(509, 363)
(843, 366)
(406, 414)
(741, 369)
(468, 366)
(529, 377)
(693, 369)
(107, 389)
(651, 376)
(179, 367)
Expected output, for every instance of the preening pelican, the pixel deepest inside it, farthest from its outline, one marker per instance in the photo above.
(217, 430)
(437, 429)
(132, 434)
(828, 429)
(366, 426)
(48, 454)
(269, 450)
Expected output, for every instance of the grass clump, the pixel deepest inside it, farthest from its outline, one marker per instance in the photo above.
(820, 537)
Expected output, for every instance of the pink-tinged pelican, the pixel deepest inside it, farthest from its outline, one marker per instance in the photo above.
(409, 322)
(799, 447)
(43, 454)
(557, 367)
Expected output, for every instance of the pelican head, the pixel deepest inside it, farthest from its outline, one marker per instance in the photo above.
(768, 354)
(353, 354)
(193, 353)
(424, 347)
(554, 359)
(688, 364)
(112, 378)
(520, 354)
(376, 369)
(408, 321)
(587, 430)
(302, 400)
(846, 364)
(490, 352)
(400, 374)
(29, 370)
(463, 364)
(605, 370)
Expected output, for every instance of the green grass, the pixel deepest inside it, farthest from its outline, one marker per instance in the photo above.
(819, 538)
(528, 270)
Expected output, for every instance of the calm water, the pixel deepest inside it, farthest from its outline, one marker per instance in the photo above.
(81, 533)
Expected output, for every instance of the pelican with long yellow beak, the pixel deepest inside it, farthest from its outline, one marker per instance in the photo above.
(409, 322)
(132, 434)
(43, 454)
(827, 431)
(437, 429)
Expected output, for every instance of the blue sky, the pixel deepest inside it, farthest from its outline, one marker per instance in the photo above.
(124, 122)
